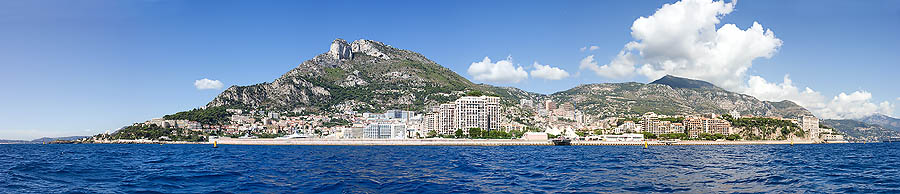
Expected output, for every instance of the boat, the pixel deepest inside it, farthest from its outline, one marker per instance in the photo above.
(293, 136)
(561, 141)
(668, 142)
(247, 136)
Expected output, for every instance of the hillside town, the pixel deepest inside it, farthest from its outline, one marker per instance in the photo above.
(484, 117)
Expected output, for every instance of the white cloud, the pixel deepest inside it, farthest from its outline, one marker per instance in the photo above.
(622, 66)
(547, 72)
(682, 39)
(208, 84)
(855, 105)
(843, 106)
(898, 98)
(502, 71)
(589, 48)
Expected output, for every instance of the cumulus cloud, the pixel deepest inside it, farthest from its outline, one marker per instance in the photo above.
(682, 39)
(502, 71)
(208, 84)
(622, 66)
(547, 72)
(855, 105)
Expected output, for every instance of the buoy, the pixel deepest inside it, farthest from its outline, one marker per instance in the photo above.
(215, 144)
(792, 142)
(645, 145)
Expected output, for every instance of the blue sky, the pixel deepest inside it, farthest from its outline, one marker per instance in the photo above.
(84, 67)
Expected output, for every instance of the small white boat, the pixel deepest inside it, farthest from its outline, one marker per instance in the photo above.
(293, 136)
(248, 136)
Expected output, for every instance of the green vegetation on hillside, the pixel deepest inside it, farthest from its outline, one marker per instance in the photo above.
(211, 115)
(155, 132)
(673, 119)
(757, 128)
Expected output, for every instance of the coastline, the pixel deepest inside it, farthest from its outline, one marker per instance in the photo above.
(452, 142)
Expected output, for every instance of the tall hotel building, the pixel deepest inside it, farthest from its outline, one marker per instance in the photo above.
(465, 113)
(696, 125)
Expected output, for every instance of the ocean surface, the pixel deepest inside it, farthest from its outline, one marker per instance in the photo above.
(831, 168)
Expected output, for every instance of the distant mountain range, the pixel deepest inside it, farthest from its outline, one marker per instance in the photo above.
(671, 95)
(860, 131)
(368, 75)
(43, 139)
(882, 120)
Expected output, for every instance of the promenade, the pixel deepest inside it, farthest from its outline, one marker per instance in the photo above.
(477, 142)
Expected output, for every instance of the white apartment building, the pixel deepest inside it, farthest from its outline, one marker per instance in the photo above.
(810, 124)
(465, 113)
(384, 130)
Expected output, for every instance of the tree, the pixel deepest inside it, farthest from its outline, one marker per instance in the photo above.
(516, 133)
(474, 93)
(432, 134)
(733, 137)
(580, 133)
(648, 135)
(475, 133)
(458, 133)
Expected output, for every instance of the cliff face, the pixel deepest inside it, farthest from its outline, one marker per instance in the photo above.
(367, 75)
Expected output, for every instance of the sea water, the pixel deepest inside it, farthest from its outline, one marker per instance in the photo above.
(823, 168)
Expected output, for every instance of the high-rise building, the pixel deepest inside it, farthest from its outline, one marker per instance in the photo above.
(465, 113)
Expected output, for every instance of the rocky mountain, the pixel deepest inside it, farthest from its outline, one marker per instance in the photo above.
(364, 75)
(859, 131)
(679, 82)
(367, 75)
(671, 95)
(882, 120)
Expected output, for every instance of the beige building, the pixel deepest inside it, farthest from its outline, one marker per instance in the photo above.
(465, 113)
(696, 125)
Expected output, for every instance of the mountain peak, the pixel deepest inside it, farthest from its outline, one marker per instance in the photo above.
(371, 48)
(340, 49)
(680, 82)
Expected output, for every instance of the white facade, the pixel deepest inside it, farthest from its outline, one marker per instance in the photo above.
(810, 125)
(465, 113)
(383, 130)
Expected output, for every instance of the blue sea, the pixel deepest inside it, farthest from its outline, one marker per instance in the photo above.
(827, 168)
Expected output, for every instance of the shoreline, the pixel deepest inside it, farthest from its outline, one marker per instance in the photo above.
(454, 142)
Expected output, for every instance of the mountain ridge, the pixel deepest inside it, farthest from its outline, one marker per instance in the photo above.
(882, 120)
(366, 75)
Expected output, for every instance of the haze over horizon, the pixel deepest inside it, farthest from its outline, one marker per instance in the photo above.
(82, 68)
